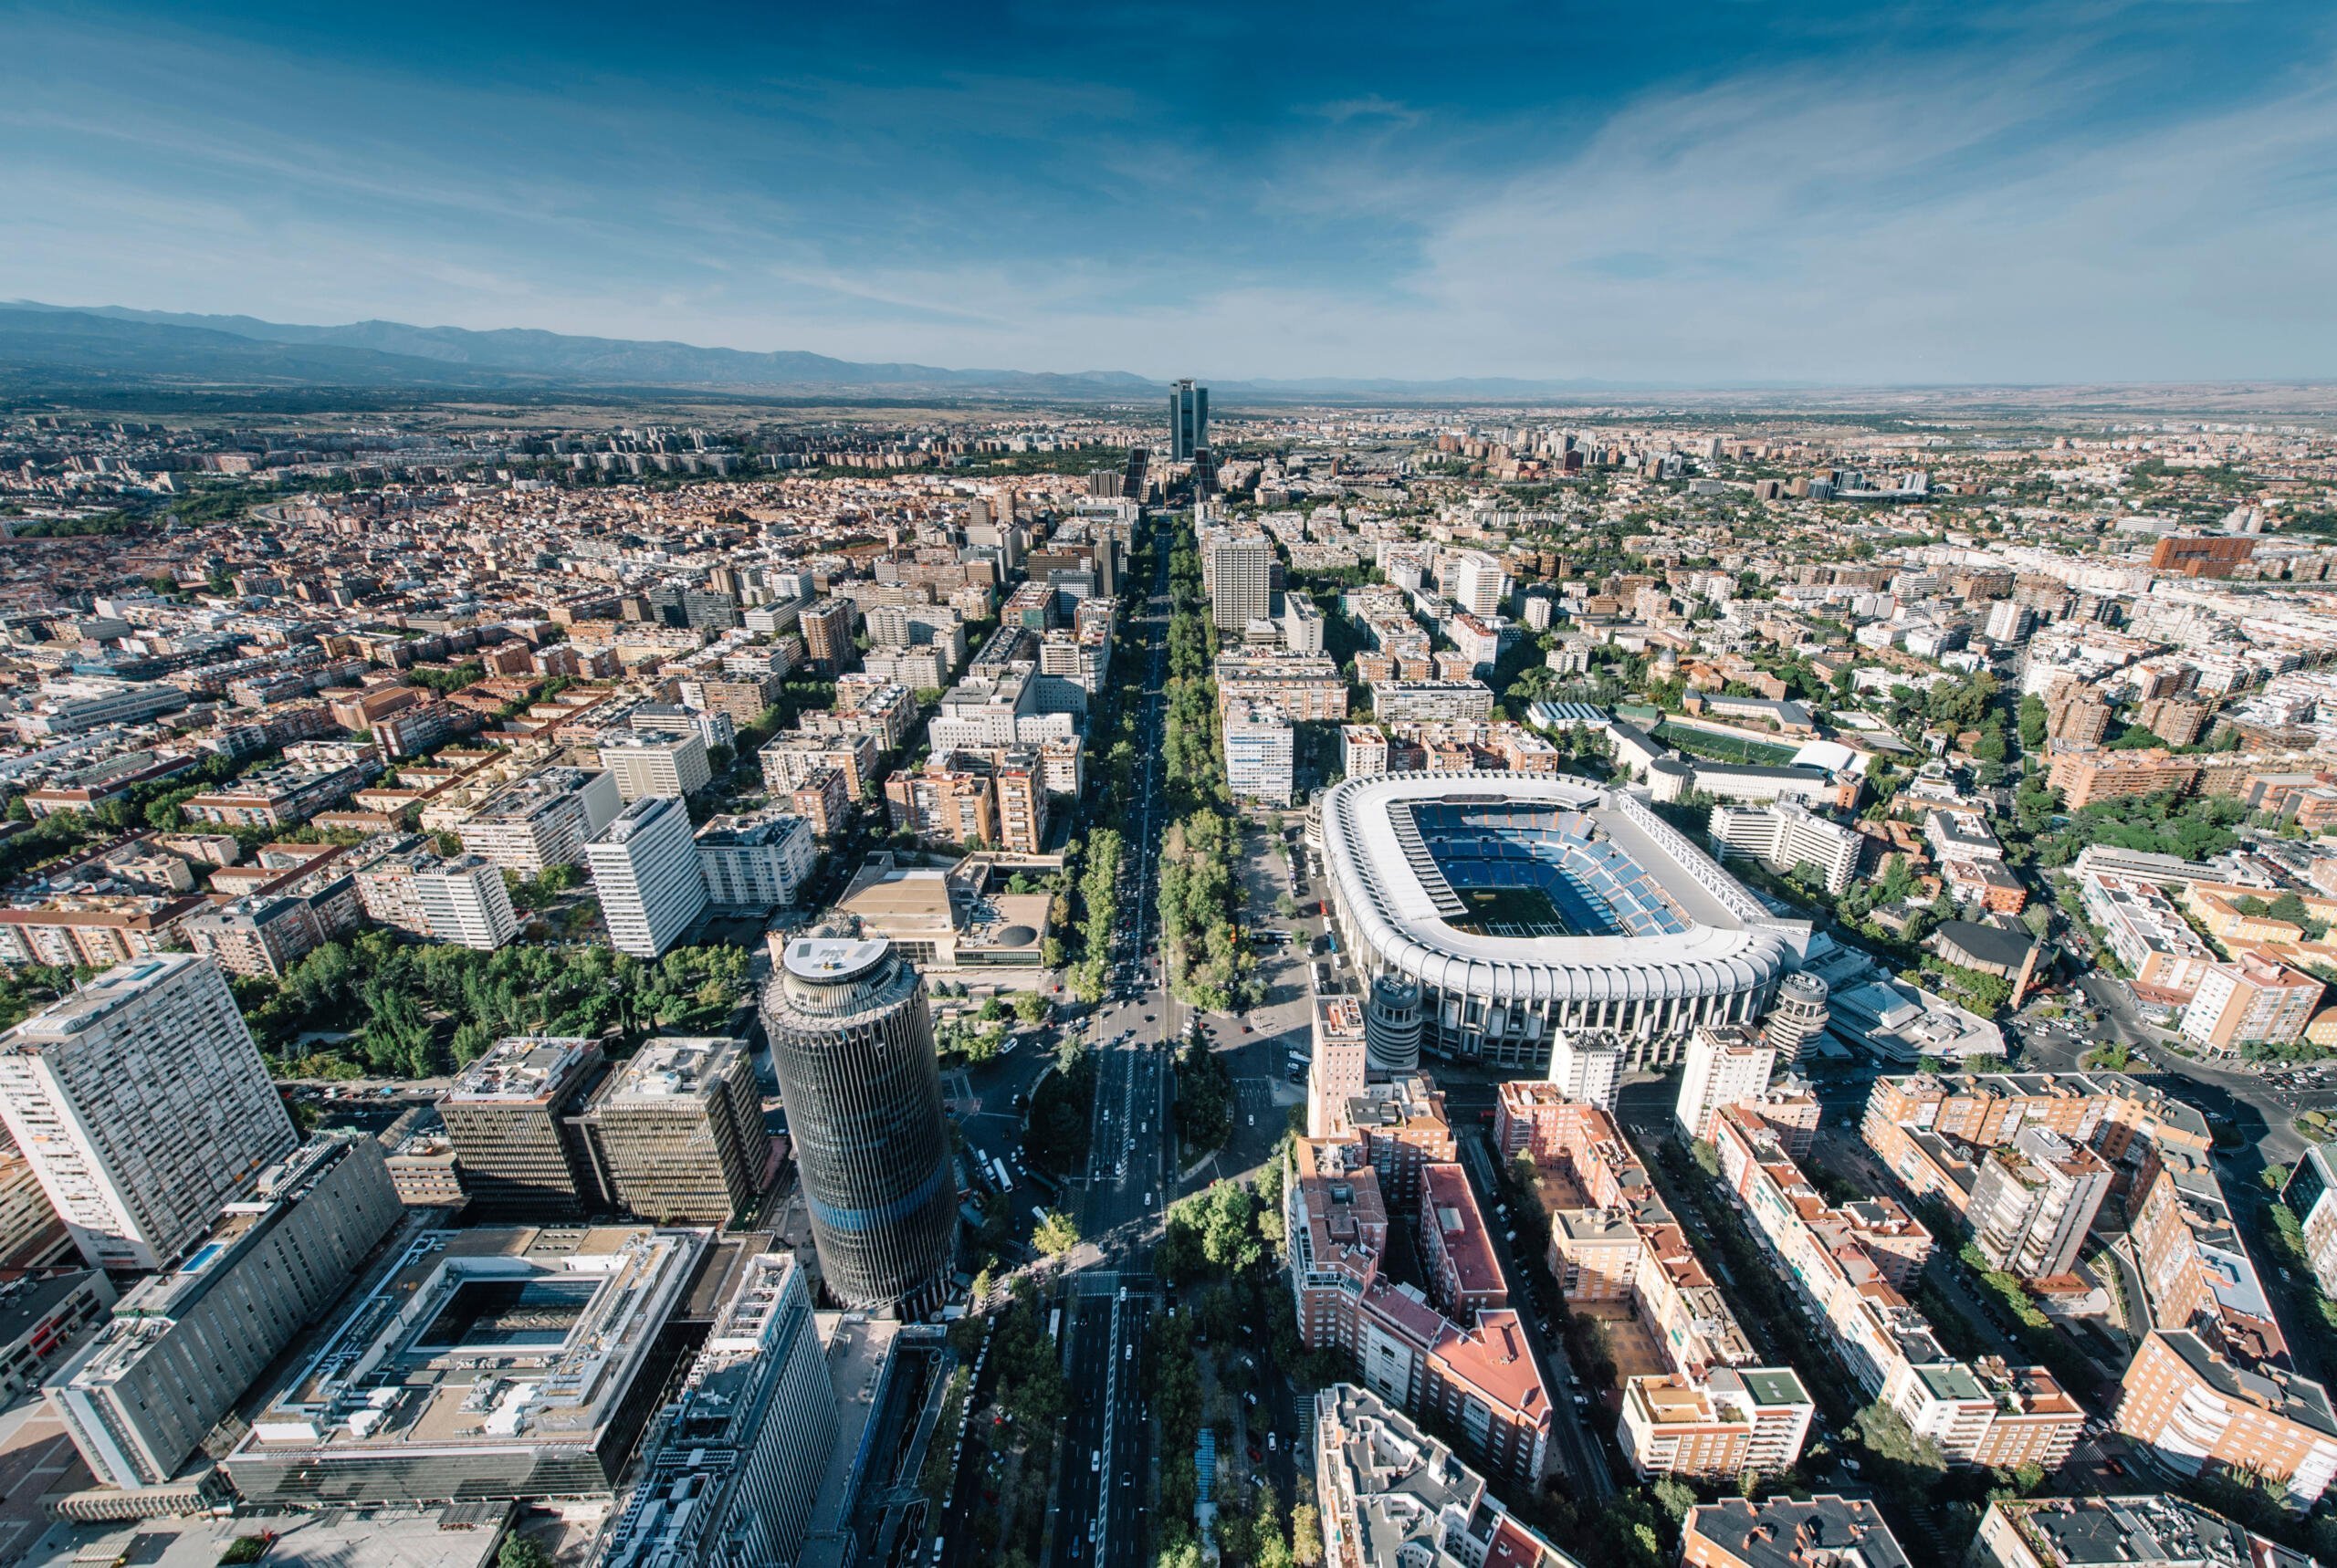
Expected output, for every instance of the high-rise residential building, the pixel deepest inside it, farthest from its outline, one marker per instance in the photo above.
(1797, 1016)
(2151, 1529)
(185, 1345)
(542, 821)
(757, 861)
(1188, 421)
(465, 900)
(676, 1132)
(1756, 1419)
(510, 1116)
(1738, 1533)
(143, 1103)
(1726, 1064)
(647, 764)
(1477, 583)
(1259, 754)
(1587, 1064)
(740, 1454)
(2033, 1201)
(1302, 624)
(2253, 1001)
(1237, 569)
(827, 636)
(2009, 620)
(852, 1042)
(1335, 1067)
(2196, 1411)
(2311, 1193)
(645, 870)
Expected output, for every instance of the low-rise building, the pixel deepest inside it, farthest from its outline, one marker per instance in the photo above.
(1788, 1532)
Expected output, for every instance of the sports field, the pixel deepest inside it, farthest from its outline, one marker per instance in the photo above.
(1513, 912)
(1725, 747)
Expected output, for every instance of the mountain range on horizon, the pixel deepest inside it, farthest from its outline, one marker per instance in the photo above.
(116, 341)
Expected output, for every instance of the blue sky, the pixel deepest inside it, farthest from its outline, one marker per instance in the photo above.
(1704, 193)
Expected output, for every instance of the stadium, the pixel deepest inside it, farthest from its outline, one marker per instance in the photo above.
(1541, 903)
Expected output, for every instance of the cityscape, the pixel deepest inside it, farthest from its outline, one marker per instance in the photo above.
(642, 929)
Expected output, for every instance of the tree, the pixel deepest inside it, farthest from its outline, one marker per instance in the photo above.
(1031, 1007)
(521, 1551)
(1306, 1536)
(1056, 1234)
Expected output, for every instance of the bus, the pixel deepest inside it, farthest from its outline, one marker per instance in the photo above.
(1054, 1325)
(1005, 1176)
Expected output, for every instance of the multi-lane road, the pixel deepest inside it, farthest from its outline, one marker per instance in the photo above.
(1104, 1491)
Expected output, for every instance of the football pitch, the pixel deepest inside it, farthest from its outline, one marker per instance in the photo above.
(1513, 912)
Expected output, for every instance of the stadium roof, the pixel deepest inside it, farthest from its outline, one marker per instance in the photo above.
(1726, 944)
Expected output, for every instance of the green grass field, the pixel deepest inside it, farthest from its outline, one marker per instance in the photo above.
(1724, 748)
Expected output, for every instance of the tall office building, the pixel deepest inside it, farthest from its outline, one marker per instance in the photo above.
(1188, 421)
(646, 869)
(510, 1116)
(676, 1132)
(143, 1105)
(465, 900)
(740, 1454)
(1797, 1016)
(1259, 753)
(852, 1041)
(1726, 1064)
(185, 1345)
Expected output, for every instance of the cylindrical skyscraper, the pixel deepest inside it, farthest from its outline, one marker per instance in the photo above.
(852, 1041)
(1391, 1026)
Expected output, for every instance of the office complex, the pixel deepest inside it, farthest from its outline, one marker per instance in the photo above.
(852, 1041)
(1531, 905)
(479, 1363)
(1188, 421)
(645, 870)
(511, 1118)
(676, 1132)
(1796, 1017)
(142, 1104)
(185, 1345)
(740, 1453)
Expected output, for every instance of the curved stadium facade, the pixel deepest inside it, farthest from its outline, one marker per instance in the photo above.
(1541, 905)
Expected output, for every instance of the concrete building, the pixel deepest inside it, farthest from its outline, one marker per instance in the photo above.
(757, 861)
(1302, 624)
(185, 1345)
(1476, 582)
(386, 1403)
(509, 1114)
(2158, 1529)
(852, 1042)
(543, 819)
(655, 765)
(1237, 569)
(2254, 1000)
(1726, 1064)
(1782, 836)
(1717, 1430)
(1259, 755)
(2312, 1193)
(827, 635)
(1788, 1532)
(740, 1454)
(645, 870)
(1796, 1017)
(2033, 1200)
(676, 1132)
(1391, 1496)
(142, 1104)
(464, 900)
(1586, 1065)
(2198, 1413)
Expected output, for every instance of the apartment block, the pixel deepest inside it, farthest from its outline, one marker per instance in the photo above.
(1726, 1064)
(543, 819)
(1259, 754)
(2198, 1413)
(647, 765)
(1782, 836)
(2254, 1000)
(757, 861)
(142, 1104)
(1788, 1532)
(185, 1345)
(2033, 1200)
(1717, 1430)
(645, 871)
(2085, 776)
